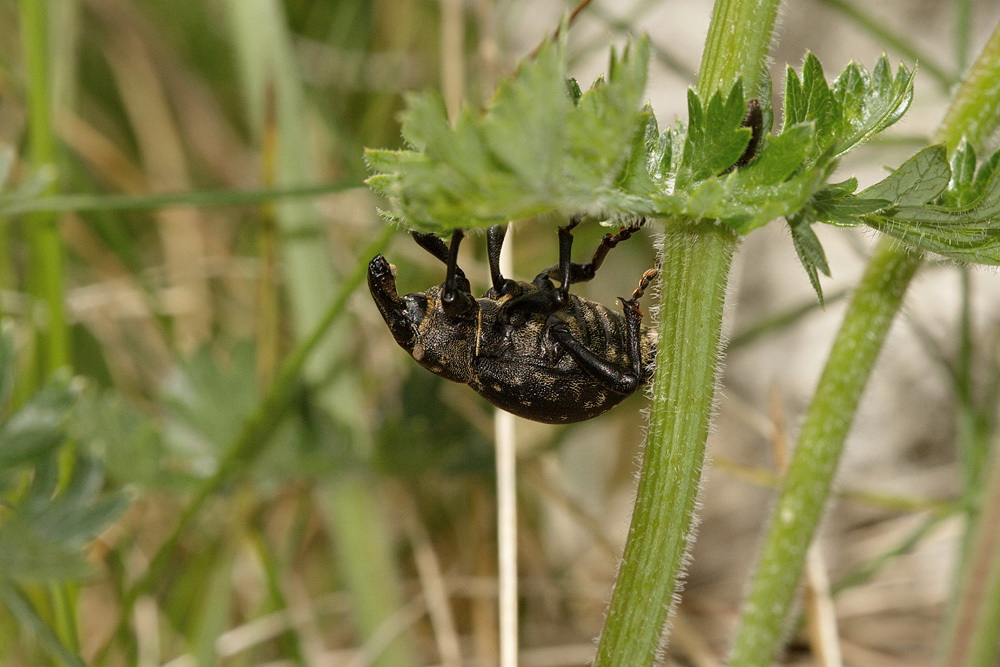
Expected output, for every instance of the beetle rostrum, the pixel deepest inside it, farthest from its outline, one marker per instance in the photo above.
(532, 349)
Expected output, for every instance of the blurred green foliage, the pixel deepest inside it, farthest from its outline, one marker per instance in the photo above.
(191, 275)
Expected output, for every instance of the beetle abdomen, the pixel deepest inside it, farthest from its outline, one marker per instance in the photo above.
(523, 370)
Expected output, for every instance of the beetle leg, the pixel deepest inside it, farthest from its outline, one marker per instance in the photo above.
(622, 379)
(580, 273)
(547, 298)
(585, 272)
(456, 298)
(494, 243)
(433, 244)
(566, 259)
(640, 290)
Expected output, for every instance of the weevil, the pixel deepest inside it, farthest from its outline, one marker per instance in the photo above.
(532, 349)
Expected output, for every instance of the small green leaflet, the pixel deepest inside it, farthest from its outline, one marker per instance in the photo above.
(788, 176)
(917, 181)
(951, 209)
(715, 137)
(49, 515)
(539, 147)
(810, 252)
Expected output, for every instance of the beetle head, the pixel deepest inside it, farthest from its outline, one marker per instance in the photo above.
(438, 341)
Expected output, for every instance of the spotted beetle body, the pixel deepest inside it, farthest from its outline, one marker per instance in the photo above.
(532, 349)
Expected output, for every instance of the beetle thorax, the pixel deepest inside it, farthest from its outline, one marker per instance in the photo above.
(443, 344)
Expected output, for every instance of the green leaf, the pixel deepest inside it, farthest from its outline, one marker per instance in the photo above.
(779, 158)
(636, 176)
(541, 145)
(705, 200)
(963, 175)
(49, 515)
(528, 119)
(78, 512)
(836, 208)
(716, 137)
(27, 557)
(42, 536)
(573, 87)
(870, 104)
(38, 427)
(968, 231)
(985, 174)
(606, 120)
(811, 100)
(810, 252)
(917, 181)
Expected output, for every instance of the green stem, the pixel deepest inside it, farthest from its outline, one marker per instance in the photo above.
(45, 275)
(973, 113)
(695, 262)
(46, 252)
(739, 38)
(695, 268)
(807, 482)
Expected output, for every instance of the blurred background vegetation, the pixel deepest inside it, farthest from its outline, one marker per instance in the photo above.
(184, 211)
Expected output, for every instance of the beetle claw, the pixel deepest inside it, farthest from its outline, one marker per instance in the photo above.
(631, 304)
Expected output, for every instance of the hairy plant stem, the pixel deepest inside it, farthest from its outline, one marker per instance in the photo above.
(973, 114)
(973, 623)
(695, 261)
(807, 482)
(739, 38)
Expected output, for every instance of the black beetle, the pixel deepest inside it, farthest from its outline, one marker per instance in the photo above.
(532, 349)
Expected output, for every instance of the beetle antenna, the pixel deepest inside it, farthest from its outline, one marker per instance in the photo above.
(647, 278)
